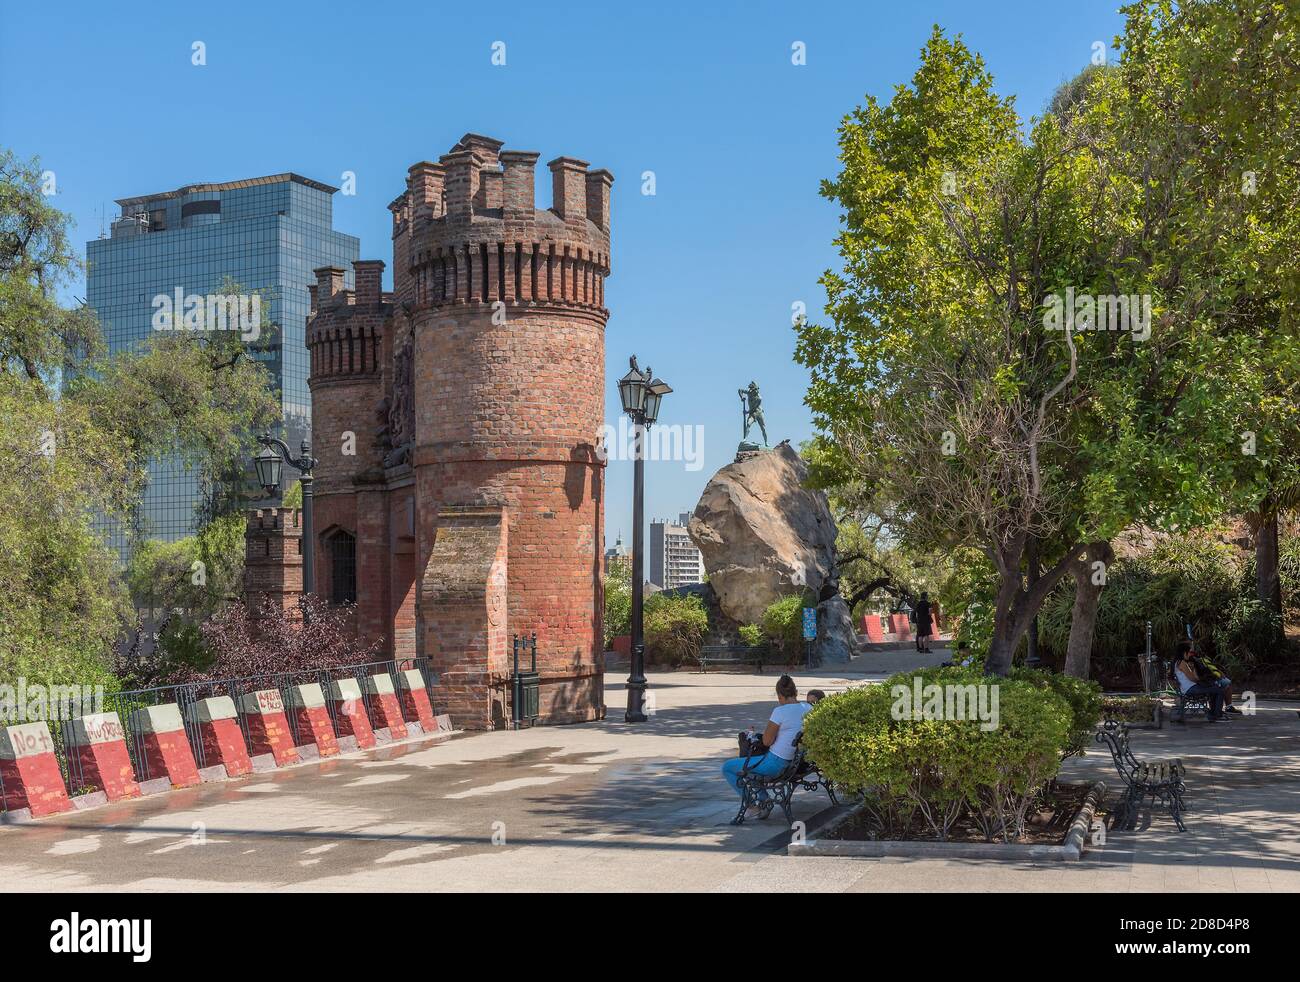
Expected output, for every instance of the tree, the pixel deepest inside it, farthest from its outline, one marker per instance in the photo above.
(174, 586)
(968, 383)
(75, 447)
(271, 638)
(618, 603)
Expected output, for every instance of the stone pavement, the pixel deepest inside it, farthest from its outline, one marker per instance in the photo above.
(608, 806)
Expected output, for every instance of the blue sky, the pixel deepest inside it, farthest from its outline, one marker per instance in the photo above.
(705, 95)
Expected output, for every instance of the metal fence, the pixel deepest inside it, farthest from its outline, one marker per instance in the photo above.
(187, 696)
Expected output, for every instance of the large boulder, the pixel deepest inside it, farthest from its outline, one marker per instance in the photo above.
(764, 535)
(834, 644)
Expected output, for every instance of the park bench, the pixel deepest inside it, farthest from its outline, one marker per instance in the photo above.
(727, 654)
(1161, 780)
(1184, 704)
(780, 787)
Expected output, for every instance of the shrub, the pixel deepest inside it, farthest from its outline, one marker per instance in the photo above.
(783, 620)
(1247, 635)
(1128, 709)
(936, 770)
(1181, 581)
(618, 605)
(1082, 696)
(675, 626)
(751, 634)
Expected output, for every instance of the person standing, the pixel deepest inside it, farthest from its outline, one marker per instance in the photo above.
(924, 622)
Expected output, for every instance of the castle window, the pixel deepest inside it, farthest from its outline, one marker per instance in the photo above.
(342, 548)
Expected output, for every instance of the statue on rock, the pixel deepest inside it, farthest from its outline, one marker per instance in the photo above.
(751, 410)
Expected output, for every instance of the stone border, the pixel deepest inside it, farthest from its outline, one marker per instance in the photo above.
(1069, 851)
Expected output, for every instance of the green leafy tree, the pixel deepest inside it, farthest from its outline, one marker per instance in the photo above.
(949, 394)
(75, 445)
(618, 603)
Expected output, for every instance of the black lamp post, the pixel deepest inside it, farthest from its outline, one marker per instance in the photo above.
(641, 394)
(268, 465)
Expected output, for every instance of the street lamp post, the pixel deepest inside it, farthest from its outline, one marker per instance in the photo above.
(268, 465)
(641, 394)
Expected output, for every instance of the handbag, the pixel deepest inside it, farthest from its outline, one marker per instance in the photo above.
(751, 744)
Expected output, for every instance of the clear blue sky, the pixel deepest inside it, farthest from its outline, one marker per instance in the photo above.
(703, 94)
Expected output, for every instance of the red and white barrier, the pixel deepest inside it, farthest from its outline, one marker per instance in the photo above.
(167, 750)
(268, 728)
(414, 700)
(901, 626)
(871, 625)
(29, 771)
(384, 705)
(350, 710)
(312, 719)
(97, 743)
(220, 737)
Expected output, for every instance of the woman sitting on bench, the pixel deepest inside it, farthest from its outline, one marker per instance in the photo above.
(783, 728)
(1191, 684)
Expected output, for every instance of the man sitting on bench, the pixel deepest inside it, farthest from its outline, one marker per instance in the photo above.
(784, 726)
(1191, 684)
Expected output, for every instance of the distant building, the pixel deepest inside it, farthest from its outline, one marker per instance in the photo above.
(674, 559)
(268, 234)
(618, 558)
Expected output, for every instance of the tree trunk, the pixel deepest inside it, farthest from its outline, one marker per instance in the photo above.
(1006, 631)
(1088, 584)
(1268, 584)
(1016, 607)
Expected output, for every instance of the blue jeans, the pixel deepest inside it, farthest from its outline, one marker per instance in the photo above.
(1214, 692)
(768, 765)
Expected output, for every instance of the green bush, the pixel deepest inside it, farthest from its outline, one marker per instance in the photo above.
(1181, 581)
(783, 620)
(675, 626)
(751, 634)
(936, 770)
(1247, 635)
(1082, 696)
(618, 605)
(1128, 709)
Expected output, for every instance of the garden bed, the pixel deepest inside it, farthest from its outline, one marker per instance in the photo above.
(1057, 830)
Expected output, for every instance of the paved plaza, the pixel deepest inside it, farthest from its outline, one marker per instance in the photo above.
(612, 807)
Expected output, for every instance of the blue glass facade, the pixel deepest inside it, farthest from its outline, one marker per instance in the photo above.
(267, 234)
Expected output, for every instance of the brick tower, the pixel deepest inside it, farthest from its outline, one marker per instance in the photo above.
(507, 310)
(459, 495)
(273, 556)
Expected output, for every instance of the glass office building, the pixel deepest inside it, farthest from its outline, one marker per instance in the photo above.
(267, 234)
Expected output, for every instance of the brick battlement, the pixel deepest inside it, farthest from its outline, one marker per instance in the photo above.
(468, 231)
(345, 332)
(273, 556)
(285, 521)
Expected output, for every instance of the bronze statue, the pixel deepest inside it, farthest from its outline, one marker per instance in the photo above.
(751, 408)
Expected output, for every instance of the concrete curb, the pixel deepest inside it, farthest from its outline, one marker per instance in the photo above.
(1069, 851)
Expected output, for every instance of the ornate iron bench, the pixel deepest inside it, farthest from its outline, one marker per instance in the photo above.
(780, 787)
(1161, 781)
(726, 654)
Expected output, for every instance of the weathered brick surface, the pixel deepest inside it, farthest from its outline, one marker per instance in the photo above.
(29, 771)
(169, 755)
(498, 313)
(97, 743)
(223, 743)
(167, 751)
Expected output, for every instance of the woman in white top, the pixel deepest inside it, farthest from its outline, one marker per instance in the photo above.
(783, 728)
